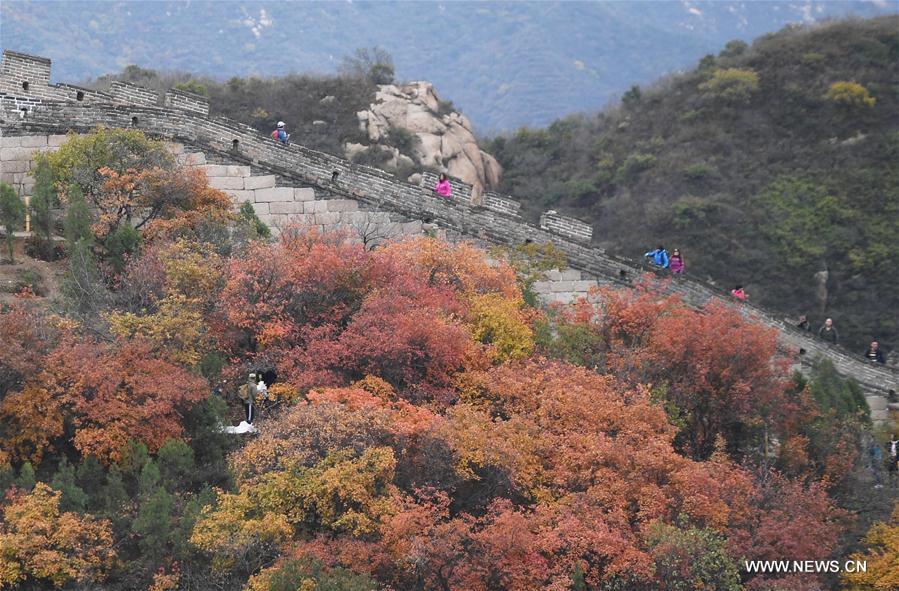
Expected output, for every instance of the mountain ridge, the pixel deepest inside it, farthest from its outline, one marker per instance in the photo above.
(484, 56)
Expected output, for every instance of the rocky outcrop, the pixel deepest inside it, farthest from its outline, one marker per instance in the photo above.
(444, 141)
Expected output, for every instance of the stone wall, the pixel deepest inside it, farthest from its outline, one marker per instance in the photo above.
(189, 101)
(376, 189)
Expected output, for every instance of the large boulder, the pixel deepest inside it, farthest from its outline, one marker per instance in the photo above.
(444, 141)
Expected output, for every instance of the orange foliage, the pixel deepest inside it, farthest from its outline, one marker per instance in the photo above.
(111, 394)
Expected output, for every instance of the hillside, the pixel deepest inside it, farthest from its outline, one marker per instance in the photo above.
(505, 64)
(752, 164)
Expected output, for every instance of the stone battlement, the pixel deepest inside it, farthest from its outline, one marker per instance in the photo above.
(179, 117)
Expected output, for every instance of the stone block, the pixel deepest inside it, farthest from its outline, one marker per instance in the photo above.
(338, 205)
(561, 286)
(876, 403)
(11, 166)
(327, 219)
(242, 196)
(10, 141)
(238, 170)
(570, 275)
(213, 170)
(259, 182)
(54, 141)
(413, 227)
(286, 207)
(274, 194)
(174, 148)
(316, 206)
(34, 141)
(304, 194)
(541, 287)
(261, 209)
(7, 154)
(584, 285)
(226, 183)
(193, 159)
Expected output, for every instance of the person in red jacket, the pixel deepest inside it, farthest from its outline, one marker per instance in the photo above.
(738, 293)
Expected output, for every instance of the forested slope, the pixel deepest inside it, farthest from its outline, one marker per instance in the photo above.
(775, 166)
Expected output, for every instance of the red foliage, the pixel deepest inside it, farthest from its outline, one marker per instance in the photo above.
(714, 366)
(329, 313)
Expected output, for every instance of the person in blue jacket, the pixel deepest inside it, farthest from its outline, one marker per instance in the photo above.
(659, 257)
(281, 134)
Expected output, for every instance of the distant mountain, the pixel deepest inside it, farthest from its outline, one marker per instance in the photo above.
(775, 166)
(505, 64)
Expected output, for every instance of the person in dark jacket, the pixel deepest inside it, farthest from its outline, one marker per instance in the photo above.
(874, 353)
(803, 324)
(828, 332)
(658, 257)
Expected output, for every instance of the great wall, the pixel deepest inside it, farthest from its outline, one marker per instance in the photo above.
(299, 185)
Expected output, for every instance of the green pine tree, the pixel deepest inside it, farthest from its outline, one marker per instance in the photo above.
(26, 479)
(12, 214)
(73, 496)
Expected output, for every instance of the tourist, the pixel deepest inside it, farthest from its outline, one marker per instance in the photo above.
(803, 324)
(676, 262)
(658, 257)
(894, 454)
(828, 332)
(248, 393)
(874, 354)
(738, 293)
(443, 187)
(281, 134)
(877, 463)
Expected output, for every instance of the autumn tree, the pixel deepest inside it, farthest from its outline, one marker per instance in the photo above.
(714, 371)
(881, 557)
(111, 395)
(40, 542)
(81, 160)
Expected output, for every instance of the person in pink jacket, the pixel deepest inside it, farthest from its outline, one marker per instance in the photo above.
(676, 262)
(443, 187)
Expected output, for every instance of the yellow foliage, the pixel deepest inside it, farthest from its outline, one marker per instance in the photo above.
(236, 531)
(282, 392)
(499, 322)
(37, 541)
(732, 84)
(192, 268)
(343, 492)
(851, 94)
(882, 558)
(177, 327)
(192, 278)
(377, 386)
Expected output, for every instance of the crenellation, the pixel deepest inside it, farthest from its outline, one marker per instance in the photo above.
(132, 94)
(189, 101)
